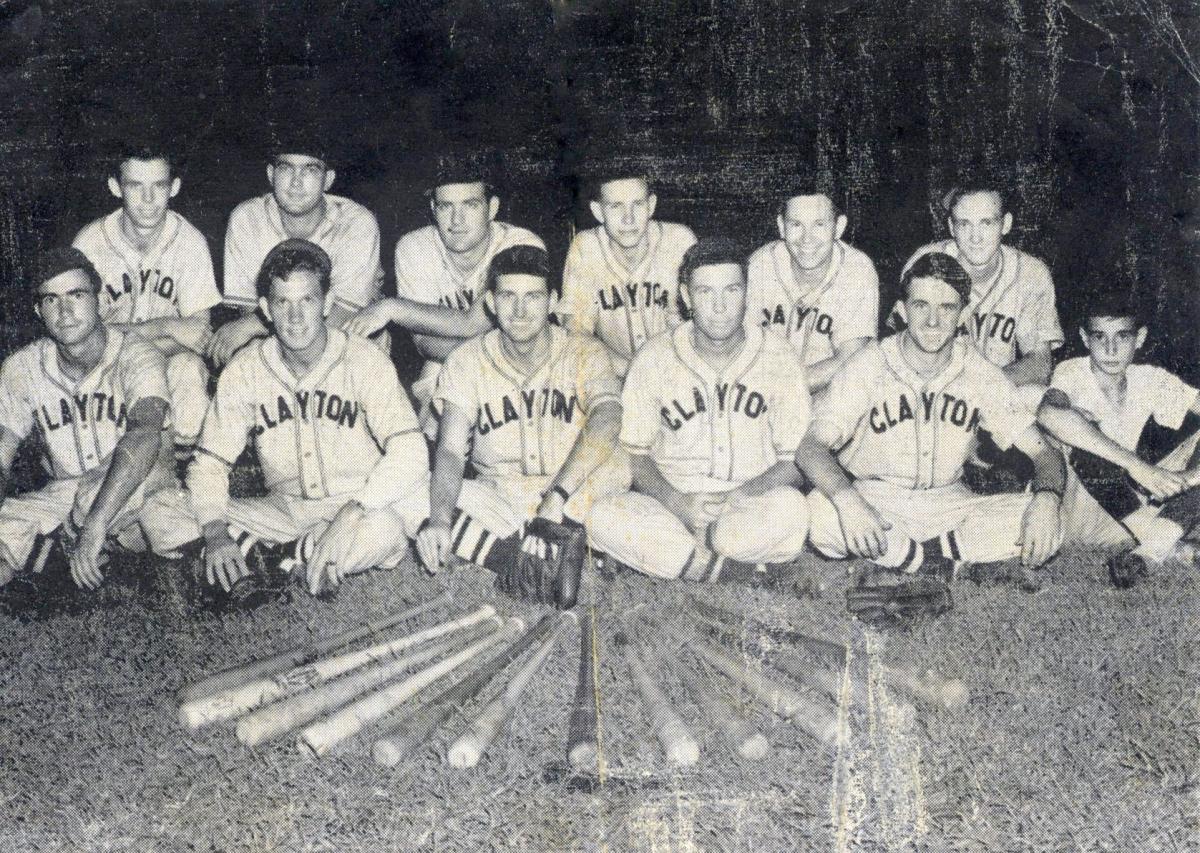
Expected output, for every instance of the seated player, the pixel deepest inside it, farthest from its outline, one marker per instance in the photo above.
(345, 465)
(441, 271)
(819, 292)
(900, 419)
(157, 279)
(537, 412)
(1099, 405)
(622, 277)
(714, 412)
(97, 397)
(299, 206)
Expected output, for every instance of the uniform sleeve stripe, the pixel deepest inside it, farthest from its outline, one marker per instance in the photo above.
(232, 299)
(346, 303)
(220, 459)
(636, 449)
(390, 436)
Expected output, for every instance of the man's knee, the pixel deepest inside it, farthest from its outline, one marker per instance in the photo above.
(186, 369)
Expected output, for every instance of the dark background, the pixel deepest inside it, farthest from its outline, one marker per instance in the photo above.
(1087, 109)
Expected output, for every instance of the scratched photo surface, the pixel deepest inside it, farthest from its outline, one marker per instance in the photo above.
(1052, 712)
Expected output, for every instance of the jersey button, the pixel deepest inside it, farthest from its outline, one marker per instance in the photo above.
(308, 454)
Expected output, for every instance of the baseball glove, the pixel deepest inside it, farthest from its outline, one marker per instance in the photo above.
(1125, 568)
(267, 581)
(549, 568)
(898, 604)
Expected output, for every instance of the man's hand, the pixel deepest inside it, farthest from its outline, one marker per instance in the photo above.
(329, 559)
(1161, 484)
(86, 557)
(1041, 529)
(371, 319)
(433, 546)
(698, 510)
(552, 506)
(231, 337)
(863, 527)
(223, 560)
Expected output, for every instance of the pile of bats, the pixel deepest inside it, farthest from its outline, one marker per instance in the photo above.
(400, 690)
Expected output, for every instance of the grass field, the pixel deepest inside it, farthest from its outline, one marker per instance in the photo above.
(1082, 733)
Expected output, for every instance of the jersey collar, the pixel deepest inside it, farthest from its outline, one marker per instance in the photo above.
(134, 259)
(272, 355)
(53, 368)
(685, 351)
(495, 235)
(504, 365)
(333, 210)
(894, 358)
(640, 270)
(787, 275)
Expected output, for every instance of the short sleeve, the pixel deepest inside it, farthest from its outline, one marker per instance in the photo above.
(200, 292)
(756, 285)
(1005, 416)
(408, 270)
(1172, 399)
(860, 313)
(640, 403)
(578, 300)
(456, 383)
(1038, 324)
(791, 410)
(847, 397)
(142, 371)
(241, 263)
(16, 406)
(230, 416)
(355, 279)
(597, 381)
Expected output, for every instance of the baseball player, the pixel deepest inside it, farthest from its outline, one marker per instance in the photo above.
(713, 414)
(441, 270)
(810, 286)
(157, 279)
(345, 466)
(621, 278)
(537, 412)
(1099, 405)
(298, 206)
(900, 419)
(97, 397)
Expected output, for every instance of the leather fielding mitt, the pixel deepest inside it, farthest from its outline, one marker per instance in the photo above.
(898, 604)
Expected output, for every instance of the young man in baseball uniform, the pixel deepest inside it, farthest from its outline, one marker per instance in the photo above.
(97, 397)
(900, 419)
(157, 279)
(713, 414)
(299, 206)
(816, 290)
(537, 412)
(621, 278)
(441, 271)
(345, 465)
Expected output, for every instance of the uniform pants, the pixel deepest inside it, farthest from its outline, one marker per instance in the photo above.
(642, 533)
(187, 382)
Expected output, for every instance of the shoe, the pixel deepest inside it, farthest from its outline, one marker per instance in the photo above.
(1125, 568)
(939, 567)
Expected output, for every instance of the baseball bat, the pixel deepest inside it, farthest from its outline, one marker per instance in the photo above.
(320, 737)
(672, 732)
(238, 700)
(814, 718)
(829, 649)
(401, 738)
(307, 653)
(290, 713)
(482, 732)
(949, 693)
(741, 735)
(583, 730)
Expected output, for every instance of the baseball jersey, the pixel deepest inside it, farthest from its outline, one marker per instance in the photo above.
(1150, 392)
(317, 436)
(173, 278)
(349, 234)
(80, 422)
(892, 424)
(817, 320)
(524, 425)
(709, 432)
(1012, 313)
(624, 307)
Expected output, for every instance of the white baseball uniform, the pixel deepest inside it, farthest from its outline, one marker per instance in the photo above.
(79, 424)
(524, 426)
(843, 307)
(621, 306)
(343, 431)
(1012, 313)
(173, 278)
(905, 438)
(709, 433)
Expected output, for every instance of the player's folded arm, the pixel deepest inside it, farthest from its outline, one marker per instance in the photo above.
(1049, 465)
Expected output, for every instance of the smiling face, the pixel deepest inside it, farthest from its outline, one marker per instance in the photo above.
(463, 214)
(297, 308)
(145, 189)
(625, 208)
(69, 307)
(522, 304)
(809, 227)
(299, 182)
(717, 298)
(978, 224)
(932, 310)
(1112, 343)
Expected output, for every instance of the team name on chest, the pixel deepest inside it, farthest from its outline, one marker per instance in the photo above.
(536, 403)
(736, 398)
(792, 319)
(929, 406)
(81, 408)
(643, 294)
(989, 325)
(148, 280)
(460, 300)
(315, 405)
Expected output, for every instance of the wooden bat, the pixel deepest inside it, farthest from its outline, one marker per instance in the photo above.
(237, 701)
(303, 654)
(321, 736)
(401, 738)
(273, 720)
(583, 730)
(482, 732)
(833, 651)
(816, 719)
(672, 732)
(951, 693)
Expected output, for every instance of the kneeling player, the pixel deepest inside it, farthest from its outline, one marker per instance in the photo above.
(714, 412)
(344, 463)
(901, 418)
(537, 411)
(98, 398)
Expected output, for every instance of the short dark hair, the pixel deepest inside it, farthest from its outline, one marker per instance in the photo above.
(828, 192)
(465, 167)
(54, 262)
(971, 186)
(522, 260)
(290, 256)
(596, 181)
(299, 140)
(707, 252)
(942, 267)
(1120, 306)
(141, 151)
